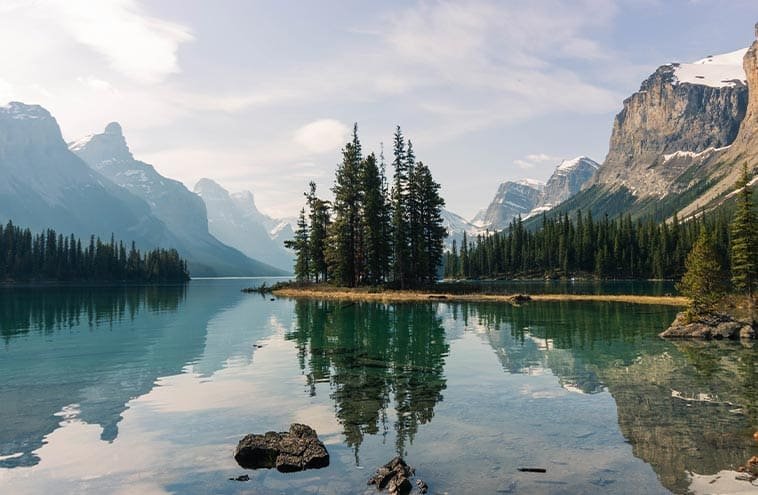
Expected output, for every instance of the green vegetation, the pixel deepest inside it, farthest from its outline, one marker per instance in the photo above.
(609, 248)
(744, 249)
(370, 235)
(704, 281)
(52, 257)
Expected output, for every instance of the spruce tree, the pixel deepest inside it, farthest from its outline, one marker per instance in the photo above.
(744, 241)
(430, 231)
(300, 246)
(317, 242)
(345, 255)
(703, 281)
(399, 195)
(374, 221)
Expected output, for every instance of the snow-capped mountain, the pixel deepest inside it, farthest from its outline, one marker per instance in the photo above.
(513, 198)
(456, 225)
(44, 185)
(566, 181)
(235, 220)
(529, 197)
(182, 211)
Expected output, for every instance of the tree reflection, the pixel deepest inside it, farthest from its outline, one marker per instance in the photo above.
(374, 355)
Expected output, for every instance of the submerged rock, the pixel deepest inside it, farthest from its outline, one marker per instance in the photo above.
(295, 450)
(711, 326)
(395, 477)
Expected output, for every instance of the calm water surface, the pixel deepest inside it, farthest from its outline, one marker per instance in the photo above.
(148, 391)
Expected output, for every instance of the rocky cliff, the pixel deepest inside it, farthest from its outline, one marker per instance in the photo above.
(678, 143)
(528, 198)
(682, 112)
(513, 198)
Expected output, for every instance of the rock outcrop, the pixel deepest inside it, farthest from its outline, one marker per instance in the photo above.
(295, 450)
(707, 327)
(395, 477)
(669, 116)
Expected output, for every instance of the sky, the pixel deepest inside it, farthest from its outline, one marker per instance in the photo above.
(261, 95)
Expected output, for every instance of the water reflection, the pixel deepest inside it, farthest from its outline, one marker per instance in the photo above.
(375, 357)
(84, 352)
(687, 407)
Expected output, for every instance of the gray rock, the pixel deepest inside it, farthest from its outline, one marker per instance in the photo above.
(295, 450)
(707, 327)
(395, 477)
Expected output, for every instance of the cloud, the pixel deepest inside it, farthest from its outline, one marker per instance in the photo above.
(321, 136)
(139, 46)
(535, 159)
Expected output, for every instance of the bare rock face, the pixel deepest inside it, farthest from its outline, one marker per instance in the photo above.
(295, 450)
(666, 117)
(714, 326)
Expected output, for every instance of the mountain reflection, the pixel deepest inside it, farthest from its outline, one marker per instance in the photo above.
(85, 352)
(375, 357)
(686, 407)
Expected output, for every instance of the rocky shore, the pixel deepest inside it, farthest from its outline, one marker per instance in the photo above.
(718, 326)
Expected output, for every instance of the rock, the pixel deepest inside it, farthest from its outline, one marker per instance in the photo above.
(295, 450)
(244, 477)
(520, 298)
(711, 326)
(750, 469)
(395, 478)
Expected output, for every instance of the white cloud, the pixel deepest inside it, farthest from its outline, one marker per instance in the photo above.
(141, 47)
(535, 159)
(321, 136)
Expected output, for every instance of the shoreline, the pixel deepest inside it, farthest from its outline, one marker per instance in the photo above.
(398, 296)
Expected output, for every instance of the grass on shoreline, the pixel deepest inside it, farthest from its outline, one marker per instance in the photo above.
(391, 296)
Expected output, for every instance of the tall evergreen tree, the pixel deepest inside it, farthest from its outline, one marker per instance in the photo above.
(375, 222)
(300, 246)
(400, 233)
(744, 243)
(429, 229)
(346, 256)
(703, 281)
(317, 242)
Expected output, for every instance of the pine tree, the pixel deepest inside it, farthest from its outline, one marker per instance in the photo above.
(300, 246)
(400, 241)
(430, 231)
(703, 281)
(744, 242)
(317, 242)
(374, 220)
(345, 256)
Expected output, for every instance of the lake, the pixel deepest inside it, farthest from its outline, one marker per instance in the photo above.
(148, 390)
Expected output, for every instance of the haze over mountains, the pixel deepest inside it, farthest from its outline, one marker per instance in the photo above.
(97, 187)
(235, 220)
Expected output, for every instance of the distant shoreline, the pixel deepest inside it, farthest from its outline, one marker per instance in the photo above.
(393, 296)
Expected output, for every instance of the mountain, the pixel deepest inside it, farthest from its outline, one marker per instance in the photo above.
(511, 200)
(456, 225)
(529, 197)
(44, 185)
(235, 220)
(567, 180)
(678, 143)
(182, 212)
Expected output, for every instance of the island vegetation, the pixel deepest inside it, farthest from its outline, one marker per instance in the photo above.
(372, 234)
(51, 257)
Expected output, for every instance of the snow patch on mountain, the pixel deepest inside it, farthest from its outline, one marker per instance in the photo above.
(716, 71)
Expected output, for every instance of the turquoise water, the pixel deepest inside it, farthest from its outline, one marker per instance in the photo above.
(148, 391)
